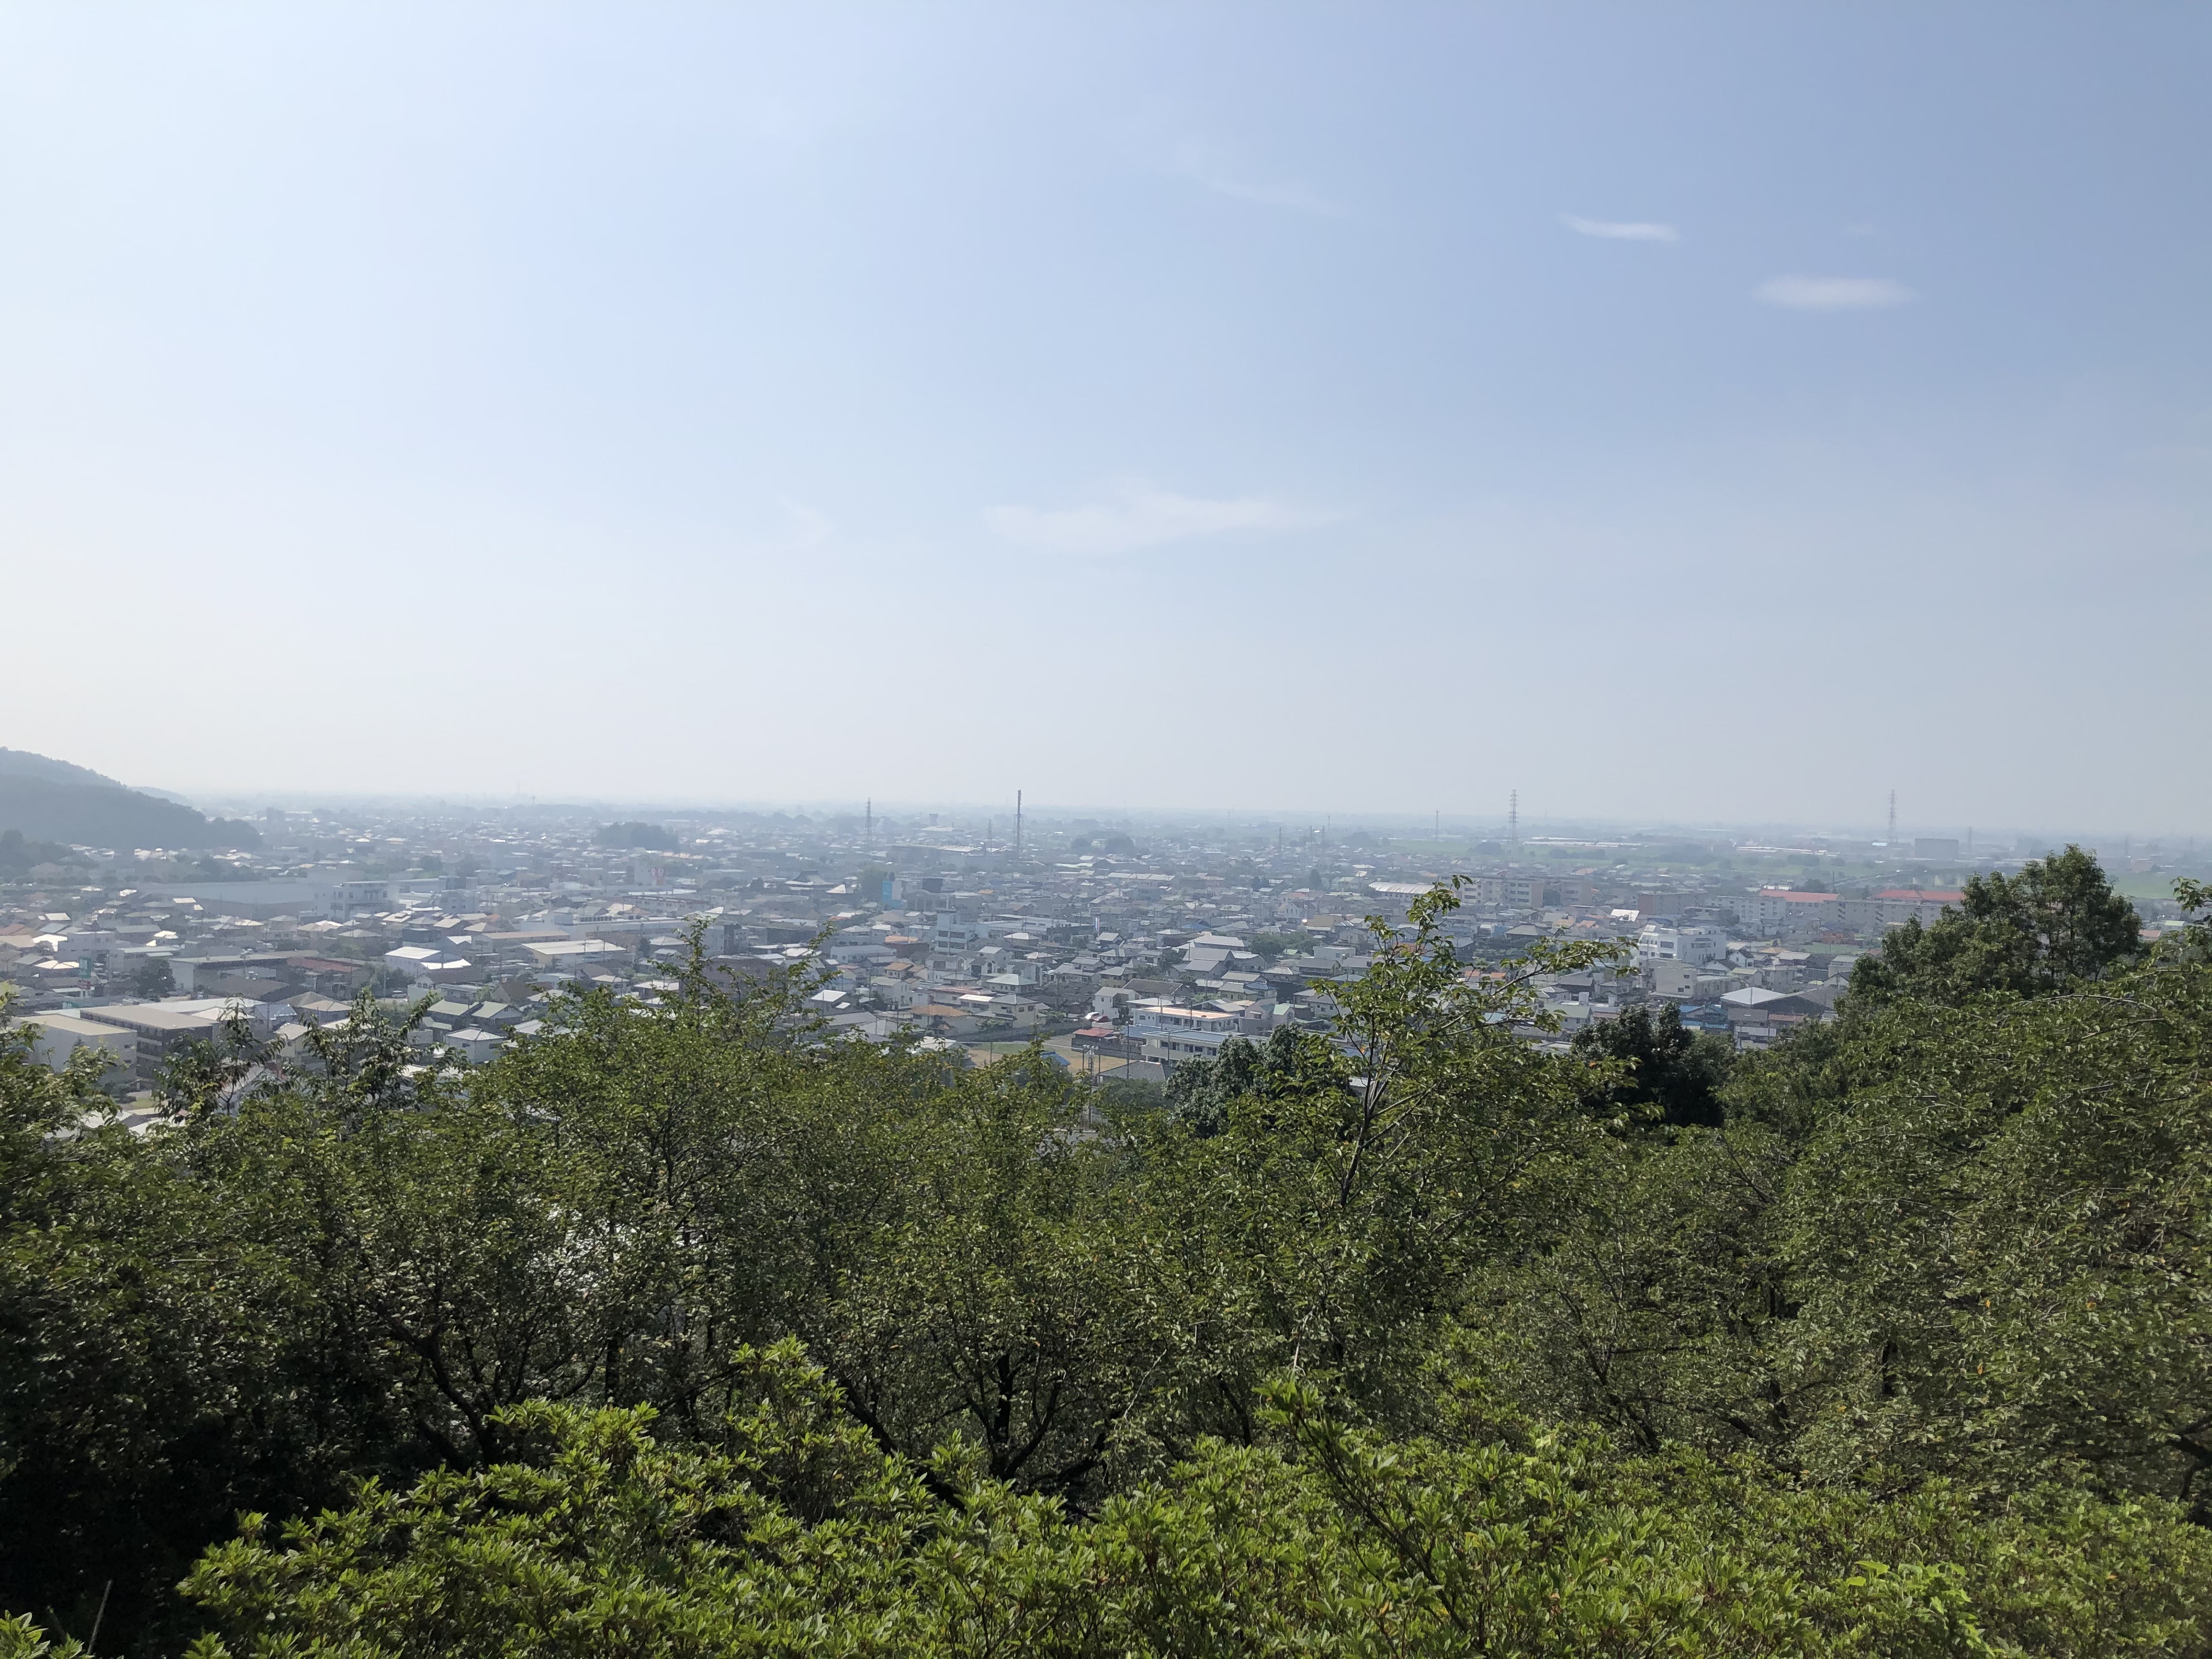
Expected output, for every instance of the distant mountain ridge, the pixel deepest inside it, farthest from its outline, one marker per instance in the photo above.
(23, 763)
(51, 799)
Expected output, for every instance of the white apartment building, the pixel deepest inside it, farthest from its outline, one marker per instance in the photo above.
(1254, 1019)
(950, 933)
(1171, 1047)
(1893, 907)
(1695, 945)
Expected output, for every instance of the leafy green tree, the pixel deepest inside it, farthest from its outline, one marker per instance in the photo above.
(1661, 1311)
(165, 1357)
(1270, 946)
(1932, 1239)
(2194, 941)
(2056, 923)
(1669, 1074)
(1012, 1300)
(1353, 1193)
(784, 1531)
(1383, 1340)
(1200, 1092)
(1999, 1244)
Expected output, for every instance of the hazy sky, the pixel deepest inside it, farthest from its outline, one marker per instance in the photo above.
(1700, 411)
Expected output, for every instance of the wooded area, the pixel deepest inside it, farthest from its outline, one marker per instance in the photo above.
(683, 1331)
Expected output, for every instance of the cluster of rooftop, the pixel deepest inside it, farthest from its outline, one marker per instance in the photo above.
(1126, 947)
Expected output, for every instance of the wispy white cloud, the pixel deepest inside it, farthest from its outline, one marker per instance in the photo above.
(1833, 293)
(1142, 516)
(1621, 230)
(1213, 166)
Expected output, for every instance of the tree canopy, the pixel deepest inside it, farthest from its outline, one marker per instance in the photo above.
(1663, 1069)
(690, 1328)
(2057, 923)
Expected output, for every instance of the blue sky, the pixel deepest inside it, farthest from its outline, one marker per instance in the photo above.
(1691, 412)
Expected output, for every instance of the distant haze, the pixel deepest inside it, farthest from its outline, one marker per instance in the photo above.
(1695, 412)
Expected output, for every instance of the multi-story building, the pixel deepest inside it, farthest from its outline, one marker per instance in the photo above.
(1893, 907)
(1780, 913)
(1697, 943)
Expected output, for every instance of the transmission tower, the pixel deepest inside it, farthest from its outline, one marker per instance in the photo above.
(1893, 818)
(1513, 821)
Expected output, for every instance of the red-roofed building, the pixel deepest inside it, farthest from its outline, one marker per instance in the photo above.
(1778, 913)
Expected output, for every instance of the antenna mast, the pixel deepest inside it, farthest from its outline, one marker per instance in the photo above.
(1513, 821)
(1893, 819)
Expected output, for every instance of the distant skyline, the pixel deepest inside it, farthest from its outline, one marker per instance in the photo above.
(1707, 414)
(1535, 825)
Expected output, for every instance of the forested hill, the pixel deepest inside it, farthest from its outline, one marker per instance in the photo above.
(685, 1330)
(53, 800)
(21, 763)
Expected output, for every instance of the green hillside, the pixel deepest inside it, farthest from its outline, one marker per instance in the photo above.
(21, 763)
(49, 808)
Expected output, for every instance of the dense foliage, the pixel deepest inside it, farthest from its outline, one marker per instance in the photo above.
(2056, 923)
(19, 857)
(684, 1330)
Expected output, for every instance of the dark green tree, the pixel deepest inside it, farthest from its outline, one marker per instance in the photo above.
(1382, 1341)
(2056, 923)
(2193, 943)
(1200, 1092)
(785, 1532)
(1667, 1073)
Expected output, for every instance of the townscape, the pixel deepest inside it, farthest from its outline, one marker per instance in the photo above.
(1126, 947)
(431, 1227)
(1105, 832)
